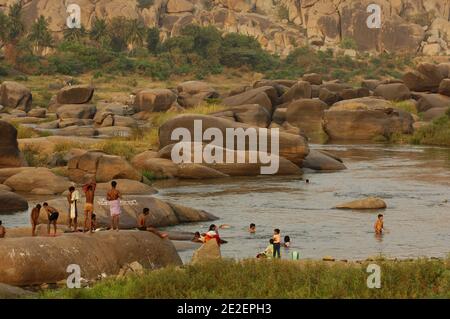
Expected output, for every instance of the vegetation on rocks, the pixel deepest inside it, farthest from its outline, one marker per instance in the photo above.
(126, 46)
(276, 279)
(437, 133)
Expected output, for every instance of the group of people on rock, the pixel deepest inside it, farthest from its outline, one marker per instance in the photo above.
(90, 219)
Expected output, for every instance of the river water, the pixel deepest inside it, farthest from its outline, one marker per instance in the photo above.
(414, 181)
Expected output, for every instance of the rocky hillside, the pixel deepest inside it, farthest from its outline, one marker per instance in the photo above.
(413, 26)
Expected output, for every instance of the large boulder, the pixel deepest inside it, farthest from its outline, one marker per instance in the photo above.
(10, 155)
(15, 95)
(179, 6)
(320, 161)
(435, 113)
(266, 96)
(154, 100)
(427, 77)
(300, 90)
(12, 203)
(198, 171)
(11, 292)
(38, 260)
(366, 203)
(444, 87)
(365, 119)
(243, 168)
(162, 214)
(306, 114)
(292, 147)
(393, 91)
(76, 94)
(208, 252)
(76, 111)
(40, 178)
(101, 167)
(159, 167)
(252, 114)
(430, 101)
(193, 93)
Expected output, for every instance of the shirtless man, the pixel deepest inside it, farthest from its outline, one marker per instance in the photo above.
(142, 221)
(89, 192)
(379, 225)
(52, 215)
(113, 197)
(35, 218)
(2, 230)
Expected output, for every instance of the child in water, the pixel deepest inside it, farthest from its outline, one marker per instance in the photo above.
(252, 228)
(379, 225)
(287, 241)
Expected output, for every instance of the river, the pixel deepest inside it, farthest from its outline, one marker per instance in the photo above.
(414, 182)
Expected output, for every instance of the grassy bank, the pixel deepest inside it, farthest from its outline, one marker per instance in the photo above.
(436, 133)
(276, 279)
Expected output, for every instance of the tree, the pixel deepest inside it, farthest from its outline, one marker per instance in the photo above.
(74, 34)
(136, 34)
(16, 27)
(99, 32)
(118, 28)
(153, 40)
(4, 29)
(40, 37)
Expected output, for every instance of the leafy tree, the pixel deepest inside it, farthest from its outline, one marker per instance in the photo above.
(4, 29)
(99, 32)
(136, 34)
(153, 41)
(15, 25)
(74, 34)
(118, 28)
(40, 37)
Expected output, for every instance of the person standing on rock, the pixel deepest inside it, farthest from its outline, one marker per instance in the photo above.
(113, 198)
(53, 215)
(89, 192)
(2, 230)
(73, 197)
(35, 218)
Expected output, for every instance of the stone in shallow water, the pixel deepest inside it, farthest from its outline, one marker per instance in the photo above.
(366, 203)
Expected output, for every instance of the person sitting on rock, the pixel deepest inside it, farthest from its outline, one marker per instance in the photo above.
(53, 215)
(2, 230)
(35, 218)
(379, 225)
(287, 241)
(142, 224)
(268, 252)
(252, 228)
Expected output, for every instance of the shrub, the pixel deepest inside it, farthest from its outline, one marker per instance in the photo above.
(348, 43)
(145, 4)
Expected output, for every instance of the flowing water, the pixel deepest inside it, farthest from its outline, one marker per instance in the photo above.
(414, 181)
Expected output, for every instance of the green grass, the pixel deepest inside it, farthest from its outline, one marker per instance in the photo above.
(437, 133)
(406, 106)
(275, 279)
